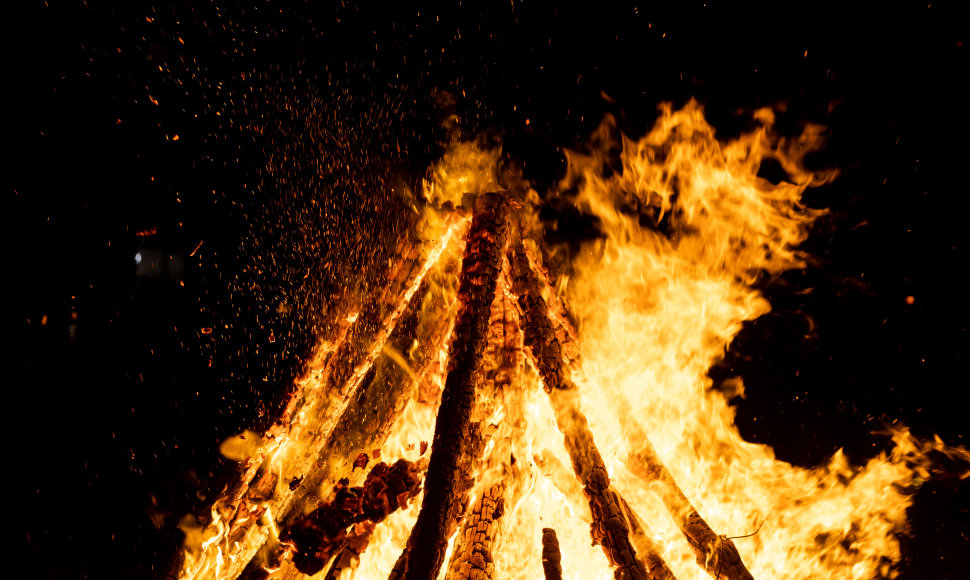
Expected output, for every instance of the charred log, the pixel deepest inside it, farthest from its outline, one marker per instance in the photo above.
(648, 551)
(485, 248)
(473, 548)
(317, 536)
(355, 544)
(353, 356)
(500, 386)
(551, 556)
(609, 528)
(410, 357)
(472, 554)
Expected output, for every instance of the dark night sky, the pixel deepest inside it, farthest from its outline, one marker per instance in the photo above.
(272, 133)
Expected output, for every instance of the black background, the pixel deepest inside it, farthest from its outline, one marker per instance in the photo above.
(295, 120)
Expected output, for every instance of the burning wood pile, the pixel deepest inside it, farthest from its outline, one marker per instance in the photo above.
(471, 327)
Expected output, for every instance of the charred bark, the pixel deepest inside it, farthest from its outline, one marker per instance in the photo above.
(485, 248)
(648, 551)
(317, 536)
(551, 556)
(482, 522)
(609, 528)
(472, 557)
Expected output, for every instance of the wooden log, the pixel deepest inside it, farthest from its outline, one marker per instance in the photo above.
(563, 322)
(648, 551)
(544, 350)
(717, 554)
(472, 556)
(499, 392)
(565, 481)
(317, 536)
(551, 556)
(410, 357)
(353, 357)
(376, 407)
(485, 248)
(309, 415)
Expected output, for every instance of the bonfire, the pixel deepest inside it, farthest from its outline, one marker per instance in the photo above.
(500, 411)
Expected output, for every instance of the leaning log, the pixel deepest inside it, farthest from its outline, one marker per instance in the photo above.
(369, 418)
(543, 347)
(717, 554)
(499, 391)
(310, 413)
(410, 357)
(472, 557)
(648, 551)
(485, 249)
(317, 536)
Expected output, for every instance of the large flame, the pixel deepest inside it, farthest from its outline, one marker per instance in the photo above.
(657, 310)
(688, 225)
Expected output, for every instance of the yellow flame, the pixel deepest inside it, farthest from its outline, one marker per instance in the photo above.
(465, 168)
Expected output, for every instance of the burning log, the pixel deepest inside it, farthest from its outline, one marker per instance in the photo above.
(472, 558)
(559, 314)
(354, 546)
(353, 356)
(317, 536)
(565, 481)
(551, 557)
(309, 417)
(366, 423)
(482, 522)
(716, 554)
(485, 248)
(410, 355)
(609, 527)
(648, 551)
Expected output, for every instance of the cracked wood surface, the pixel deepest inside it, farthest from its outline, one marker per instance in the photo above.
(551, 556)
(544, 349)
(444, 495)
(499, 396)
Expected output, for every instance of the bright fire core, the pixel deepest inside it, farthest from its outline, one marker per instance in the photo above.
(687, 227)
